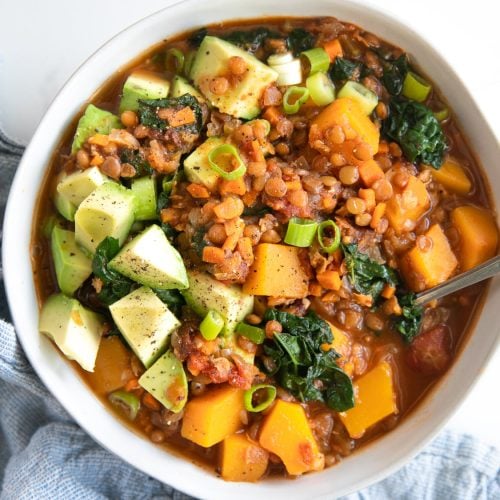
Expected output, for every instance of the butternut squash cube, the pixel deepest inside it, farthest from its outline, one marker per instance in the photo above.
(242, 459)
(409, 204)
(452, 176)
(277, 272)
(478, 235)
(425, 268)
(286, 433)
(375, 399)
(341, 343)
(349, 115)
(210, 418)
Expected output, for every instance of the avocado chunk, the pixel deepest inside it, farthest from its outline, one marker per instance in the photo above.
(242, 99)
(64, 207)
(107, 211)
(205, 293)
(144, 189)
(181, 86)
(142, 84)
(151, 260)
(72, 266)
(145, 322)
(94, 121)
(197, 168)
(74, 329)
(77, 186)
(166, 381)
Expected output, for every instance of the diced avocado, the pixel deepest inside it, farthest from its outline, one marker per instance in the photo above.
(94, 121)
(242, 99)
(151, 260)
(107, 211)
(181, 86)
(197, 168)
(145, 322)
(166, 380)
(205, 293)
(144, 189)
(75, 330)
(72, 266)
(64, 207)
(142, 84)
(78, 185)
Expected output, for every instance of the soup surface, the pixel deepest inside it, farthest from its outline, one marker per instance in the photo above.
(230, 241)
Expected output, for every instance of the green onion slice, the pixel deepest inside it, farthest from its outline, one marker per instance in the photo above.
(336, 236)
(442, 114)
(300, 232)
(188, 62)
(248, 396)
(317, 59)
(321, 89)
(294, 98)
(230, 151)
(253, 333)
(174, 60)
(212, 325)
(126, 401)
(415, 87)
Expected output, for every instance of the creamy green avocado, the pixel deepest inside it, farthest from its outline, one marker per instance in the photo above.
(142, 84)
(72, 266)
(151, 260)
(181, 86)
(74, 329)
(145, 322)
(145, 192)
(77, 186)
(242, 99)
(166, 380)
(107, 211)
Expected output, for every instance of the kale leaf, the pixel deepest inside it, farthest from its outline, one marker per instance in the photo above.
(345, 69)
(197, 37)
(137, 160)
(415, 128)
(198, 241)
(394, 74)
(148, 112)
(172, 298)
(163, 202)
(251, 40)
(299, 40)
(115, 285)
(408, 324)
(302, 366)
(367, 276)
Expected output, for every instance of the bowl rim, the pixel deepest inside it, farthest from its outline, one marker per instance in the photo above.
(36, 353)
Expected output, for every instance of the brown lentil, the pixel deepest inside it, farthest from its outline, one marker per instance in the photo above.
(349, 175)
(276, 187)
(219, 85)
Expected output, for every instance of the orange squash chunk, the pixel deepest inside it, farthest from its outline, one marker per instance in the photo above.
(286, 433)
(425, 268)
(478, 235)
(453, 177)
(375, 399)
(210, 418)
(277, 272)
(242, 459)
(409, 204)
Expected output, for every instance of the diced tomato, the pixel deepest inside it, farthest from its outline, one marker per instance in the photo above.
(430, 352)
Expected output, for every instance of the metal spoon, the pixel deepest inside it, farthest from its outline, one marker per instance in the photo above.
(486, 270)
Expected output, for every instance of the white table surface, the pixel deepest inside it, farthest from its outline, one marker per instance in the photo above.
(43, 42)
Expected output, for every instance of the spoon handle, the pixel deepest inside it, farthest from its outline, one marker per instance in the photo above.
(484, 271)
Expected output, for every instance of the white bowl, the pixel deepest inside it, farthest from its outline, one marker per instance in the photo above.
(371, 463)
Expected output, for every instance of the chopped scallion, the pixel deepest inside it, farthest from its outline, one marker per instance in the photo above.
(321, 89)
(188, 62)
(252, 333)
(367, 99)
(270, 396)
(442, 114)
(227, 150)
(294, 98)
(212, 325)
(317, 59)
(300, 232)
(329, 224)
(174, 60)
(127, 401)
(415, 87)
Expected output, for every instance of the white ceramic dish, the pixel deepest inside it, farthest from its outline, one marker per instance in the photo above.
(370, 464)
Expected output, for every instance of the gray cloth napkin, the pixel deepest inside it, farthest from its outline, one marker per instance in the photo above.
(45, 455)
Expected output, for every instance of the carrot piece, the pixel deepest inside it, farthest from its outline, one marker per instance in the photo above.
(330, 280)
(198, 191)
(388, 291)
(369, 196)
(315, 289)
(132, 385)
(250, 197)
(236, 186)
(293, 185)
(99, 140)
(370, 171)
(176, 118)
(272, 114)
(213, 255)
(333, 49)
(150, 402)
(245, 249)
(377, 215)
(231, 242)
(97, 160)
